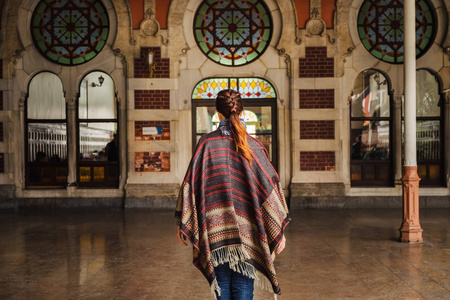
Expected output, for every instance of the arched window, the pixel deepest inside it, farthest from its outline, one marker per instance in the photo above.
(98, 139)
(260, 109)
(380, 28)
(233, 32)
(371, 131)
(45, 123)
(69, 32)
(430, 129)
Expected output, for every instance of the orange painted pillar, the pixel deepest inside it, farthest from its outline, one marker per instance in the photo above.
(410, 231)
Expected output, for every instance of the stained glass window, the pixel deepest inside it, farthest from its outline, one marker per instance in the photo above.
(249, 88)
(248, 116)
(69, 32)
(380, 28)
(233, 32)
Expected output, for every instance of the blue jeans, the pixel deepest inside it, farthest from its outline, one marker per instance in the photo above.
(233, 285)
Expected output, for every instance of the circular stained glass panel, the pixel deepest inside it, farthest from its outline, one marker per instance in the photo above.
(233, 32)
(69, 32)
(380, 28)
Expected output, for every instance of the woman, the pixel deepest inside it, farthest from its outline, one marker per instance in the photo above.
(231, 207)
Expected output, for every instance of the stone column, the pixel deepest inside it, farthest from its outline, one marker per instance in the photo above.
(397, 119)
(410, 231)
(19, 128)
(71, 141)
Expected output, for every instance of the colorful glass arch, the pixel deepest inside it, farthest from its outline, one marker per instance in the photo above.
(233, 32)
(249, 88)
(249, 116)
(380, 28)
(69, 32)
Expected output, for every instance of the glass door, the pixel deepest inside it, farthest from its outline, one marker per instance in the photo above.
(259, 115)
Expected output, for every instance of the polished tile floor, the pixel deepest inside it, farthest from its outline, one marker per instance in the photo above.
(330, 254)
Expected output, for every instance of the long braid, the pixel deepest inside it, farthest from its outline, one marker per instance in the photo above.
(229, 104)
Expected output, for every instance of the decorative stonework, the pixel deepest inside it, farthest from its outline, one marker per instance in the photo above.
(315, 25)
(348, 53)
(298, 39)
(287, 60)
(149, 26)
(410, 231)
(71, 102)
(446, 50)
(23, 97)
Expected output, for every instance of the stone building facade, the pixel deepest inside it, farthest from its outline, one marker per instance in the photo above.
(332, 121)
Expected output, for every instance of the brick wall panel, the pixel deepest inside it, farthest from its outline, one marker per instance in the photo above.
(317, 161)
(317, 130)
(162, 69)
(316, 99)
(152, 99)
(316, 63)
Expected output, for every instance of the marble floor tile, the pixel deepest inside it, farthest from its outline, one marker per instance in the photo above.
(134, 254)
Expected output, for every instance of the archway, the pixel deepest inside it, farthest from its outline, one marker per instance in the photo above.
(260, 109)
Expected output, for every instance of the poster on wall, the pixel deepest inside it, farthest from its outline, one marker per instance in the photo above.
(152, 130)
(152, 162)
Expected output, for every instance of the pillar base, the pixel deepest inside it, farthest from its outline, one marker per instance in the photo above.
(410, 235)
(410, 231)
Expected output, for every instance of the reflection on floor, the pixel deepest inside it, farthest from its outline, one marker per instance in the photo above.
(330, 254)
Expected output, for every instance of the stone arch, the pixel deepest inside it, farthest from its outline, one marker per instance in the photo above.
(385, 74)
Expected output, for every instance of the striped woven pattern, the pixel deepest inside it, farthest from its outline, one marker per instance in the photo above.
(232, 211)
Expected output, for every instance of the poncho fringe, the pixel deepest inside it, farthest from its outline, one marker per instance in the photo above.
(236, 256)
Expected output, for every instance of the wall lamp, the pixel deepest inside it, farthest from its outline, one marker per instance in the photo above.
(100, 80)
(377, 79)
(150, 61)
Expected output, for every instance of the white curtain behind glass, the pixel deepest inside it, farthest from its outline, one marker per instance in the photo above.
(97, 102)
(46, 97)
(427, 94)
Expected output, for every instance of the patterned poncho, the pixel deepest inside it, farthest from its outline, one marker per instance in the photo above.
(232, 211)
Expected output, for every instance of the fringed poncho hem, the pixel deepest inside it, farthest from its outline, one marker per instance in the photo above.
(236, 256)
